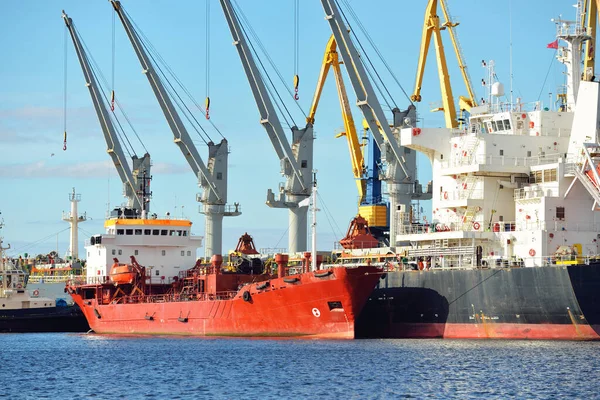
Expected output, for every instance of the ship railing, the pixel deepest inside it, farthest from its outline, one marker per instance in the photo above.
(171, 297)
(482, 159)
(50, 278)
(475, 194)
(535, 193)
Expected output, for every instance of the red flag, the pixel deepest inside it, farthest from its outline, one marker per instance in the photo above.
(553, 45)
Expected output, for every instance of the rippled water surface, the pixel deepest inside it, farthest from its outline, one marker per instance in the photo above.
(68, 366)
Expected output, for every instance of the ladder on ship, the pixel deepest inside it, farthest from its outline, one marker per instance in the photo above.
(587, 172)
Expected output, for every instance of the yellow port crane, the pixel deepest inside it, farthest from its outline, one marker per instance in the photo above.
(331, 60)
(590, 10)
(433, 27)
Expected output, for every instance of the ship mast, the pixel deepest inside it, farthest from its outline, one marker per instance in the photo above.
(574, 33)
(314, 222)
(74, 219)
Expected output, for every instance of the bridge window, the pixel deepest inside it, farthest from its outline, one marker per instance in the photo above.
(138, 231)
(155, 232)
(164, 232)
(120, 252)
(550, 175)
(135, 252)
(506, 124)
(120, 231)
(219, 176)
(501, 152)
(560, 213)
(114, 252)
(147, 231)
(189, 253)
(528, 153)
(129, 231)
(182, 253)
(185, 233)
(164, 252)
(499, 125)
(304, 164)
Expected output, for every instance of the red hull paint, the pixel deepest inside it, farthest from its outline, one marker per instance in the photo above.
(497, 331)
(299, 308)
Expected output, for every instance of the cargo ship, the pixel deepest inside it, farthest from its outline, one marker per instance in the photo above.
(22, 311)
(511, 248)
(244, 295)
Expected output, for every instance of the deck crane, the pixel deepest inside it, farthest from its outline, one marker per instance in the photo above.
(135, 182)
(591, 10)
(212, 179)
(370, 203)
(297, 159)
(400, 163)
(432, 26)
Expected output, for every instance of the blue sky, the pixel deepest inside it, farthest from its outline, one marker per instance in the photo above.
(36, 175)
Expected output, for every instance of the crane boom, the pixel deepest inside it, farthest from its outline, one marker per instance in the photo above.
(399, 180)
(297, 159)
(132, 188)
(213, 179)
(366, 98)
(469, 102)
(592, 7)
(268, 116)
(431, 26)
(331, 60)
(182, 137)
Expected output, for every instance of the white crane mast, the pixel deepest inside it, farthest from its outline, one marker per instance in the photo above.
(396, 176)
(134, 182)
(213, 179)
(296, 160)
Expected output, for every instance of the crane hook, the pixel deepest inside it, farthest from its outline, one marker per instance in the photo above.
(207, 106)
(65, 142)
(296, 82)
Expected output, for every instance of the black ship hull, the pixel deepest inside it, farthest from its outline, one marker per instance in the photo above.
(554, 302)
(54, 319)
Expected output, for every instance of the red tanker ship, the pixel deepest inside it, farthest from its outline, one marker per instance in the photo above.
(214, 300)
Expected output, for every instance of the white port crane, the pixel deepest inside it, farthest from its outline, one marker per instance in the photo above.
(400, 164)
(135, 182)
(297, 159)
(212, 179)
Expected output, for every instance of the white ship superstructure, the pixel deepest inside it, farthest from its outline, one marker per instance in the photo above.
(165, 246)
(518, 185)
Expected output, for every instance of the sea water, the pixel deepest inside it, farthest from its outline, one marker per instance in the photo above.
(92, 366)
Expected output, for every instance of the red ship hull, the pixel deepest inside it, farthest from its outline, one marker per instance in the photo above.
(491, 330)
(316, 305)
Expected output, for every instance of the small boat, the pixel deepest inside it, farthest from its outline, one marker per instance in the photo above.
(21, 311)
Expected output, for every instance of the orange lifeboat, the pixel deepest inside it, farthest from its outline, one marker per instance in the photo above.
(122, 274)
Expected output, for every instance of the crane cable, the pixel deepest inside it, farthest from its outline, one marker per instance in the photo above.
(366, 33)
(296, 47)
(244, 22)
(65, 91)
(112, 92)
(158, 59)
(207, 101)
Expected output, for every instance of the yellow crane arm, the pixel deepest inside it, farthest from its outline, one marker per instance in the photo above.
(591, 8)
(471, 101)
(431, 27)
(331, 59)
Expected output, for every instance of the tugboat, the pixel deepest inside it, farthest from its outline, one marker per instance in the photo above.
(21, 311)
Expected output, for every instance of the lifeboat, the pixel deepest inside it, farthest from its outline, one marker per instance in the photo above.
(122, 274)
